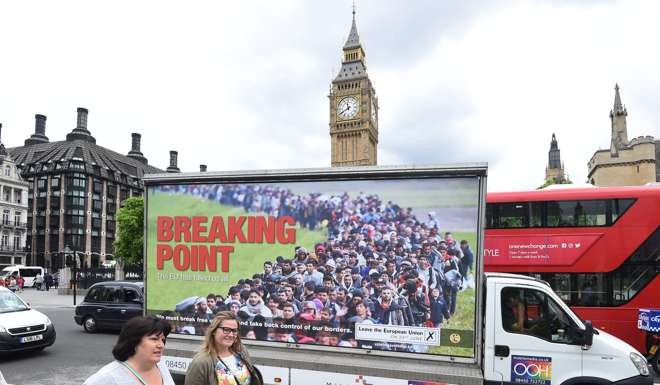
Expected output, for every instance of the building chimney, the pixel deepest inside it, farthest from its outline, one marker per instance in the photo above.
(40, 124)
(39, 135)
(135, 142)
(202, 168)
(82, 119)
(173, 160)
(135, 152)
(81, 132)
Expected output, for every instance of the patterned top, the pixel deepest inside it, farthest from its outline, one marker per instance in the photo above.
(232, 371)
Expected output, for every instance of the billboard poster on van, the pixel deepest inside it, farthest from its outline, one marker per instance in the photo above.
(384, 265)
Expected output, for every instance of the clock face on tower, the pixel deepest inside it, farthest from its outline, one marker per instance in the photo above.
(348, 108)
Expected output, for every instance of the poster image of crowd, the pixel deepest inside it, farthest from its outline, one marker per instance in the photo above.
(381, 265)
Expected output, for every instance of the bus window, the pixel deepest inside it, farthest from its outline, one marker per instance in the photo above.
(591, 213)
(561, 284)
(619, 206)
(590, 290)
(508, 215)
(537, 218)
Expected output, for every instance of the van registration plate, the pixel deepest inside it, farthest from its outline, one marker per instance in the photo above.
(32, 338)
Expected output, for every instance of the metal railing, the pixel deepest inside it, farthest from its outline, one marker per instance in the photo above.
(13, 224)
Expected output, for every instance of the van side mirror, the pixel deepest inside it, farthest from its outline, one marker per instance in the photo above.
(588, 336)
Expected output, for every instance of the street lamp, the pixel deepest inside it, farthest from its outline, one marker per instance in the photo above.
(68, 251)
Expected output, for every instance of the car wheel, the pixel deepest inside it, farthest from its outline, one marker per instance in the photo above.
(89, 324)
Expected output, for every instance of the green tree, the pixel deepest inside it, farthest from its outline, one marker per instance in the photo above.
(551, 181)
(130, 232)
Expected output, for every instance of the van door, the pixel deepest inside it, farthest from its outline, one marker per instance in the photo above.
(536, 342)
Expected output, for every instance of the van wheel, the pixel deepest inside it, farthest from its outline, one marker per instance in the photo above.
(655, 363)
(89, 324)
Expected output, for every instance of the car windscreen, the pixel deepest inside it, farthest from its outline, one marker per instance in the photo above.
(9, 302)
(6, 273)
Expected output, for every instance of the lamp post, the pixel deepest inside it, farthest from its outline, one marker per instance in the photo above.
(68, 251)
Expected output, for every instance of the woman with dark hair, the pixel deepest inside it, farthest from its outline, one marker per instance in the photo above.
(137, 353)
(223, 358)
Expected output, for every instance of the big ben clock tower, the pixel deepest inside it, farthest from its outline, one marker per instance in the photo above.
(353, 109)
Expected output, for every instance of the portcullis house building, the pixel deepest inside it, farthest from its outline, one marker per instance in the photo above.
(75, 188)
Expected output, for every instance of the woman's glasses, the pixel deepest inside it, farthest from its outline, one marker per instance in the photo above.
(228, 330)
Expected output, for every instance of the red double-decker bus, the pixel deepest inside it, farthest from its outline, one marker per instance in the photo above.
(599, 248)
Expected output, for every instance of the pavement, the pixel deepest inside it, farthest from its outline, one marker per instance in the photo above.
(48, 299)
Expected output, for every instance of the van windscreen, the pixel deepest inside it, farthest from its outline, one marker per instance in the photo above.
(27, 272)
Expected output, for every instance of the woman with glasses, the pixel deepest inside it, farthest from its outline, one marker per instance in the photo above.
(223, 358)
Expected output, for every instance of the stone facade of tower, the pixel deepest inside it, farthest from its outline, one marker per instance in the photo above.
(353, 109)
(626, 162)
(555, 170)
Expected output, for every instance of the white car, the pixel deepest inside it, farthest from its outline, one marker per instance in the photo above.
(21, 327)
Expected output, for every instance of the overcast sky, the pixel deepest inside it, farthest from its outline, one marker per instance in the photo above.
(244, 84)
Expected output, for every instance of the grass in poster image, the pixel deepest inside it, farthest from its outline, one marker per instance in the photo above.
(246, 260)
(418, 194)
(463, 319)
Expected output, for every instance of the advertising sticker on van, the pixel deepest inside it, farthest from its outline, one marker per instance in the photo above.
(531, 370)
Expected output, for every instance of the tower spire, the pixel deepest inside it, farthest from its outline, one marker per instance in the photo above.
(353, 37)
(554, 172)
(618, 107)
(618, 116)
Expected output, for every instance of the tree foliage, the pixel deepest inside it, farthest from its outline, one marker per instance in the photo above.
(551, 181)
(129, 245)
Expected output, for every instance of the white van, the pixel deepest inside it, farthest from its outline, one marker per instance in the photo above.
(21, 327)
(27, 272)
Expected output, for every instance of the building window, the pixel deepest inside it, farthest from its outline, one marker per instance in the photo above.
(97, 186)
(17, 242)
(17, 218)
(8, 171)
(5, 217)
(96, 244)
(4, 242)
